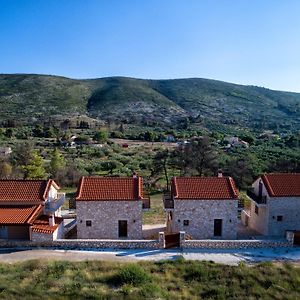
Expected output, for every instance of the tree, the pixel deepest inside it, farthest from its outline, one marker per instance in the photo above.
(198, 155)
(57, 162)
(22, 153)
(35, 168)
(160, 164)
(100, 136)
(5, 169)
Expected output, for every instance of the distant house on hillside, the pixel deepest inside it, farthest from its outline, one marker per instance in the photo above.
(5, 151)
(203, 207)
(275, 204)
(29, 210)
(234, 141)
(110, 207)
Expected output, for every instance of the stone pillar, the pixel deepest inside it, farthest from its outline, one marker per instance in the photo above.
(181, 239)
(290, 237)
(162, 241)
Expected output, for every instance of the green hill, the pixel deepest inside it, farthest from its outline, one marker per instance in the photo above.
(28, 97)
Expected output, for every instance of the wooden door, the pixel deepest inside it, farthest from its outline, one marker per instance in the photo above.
(217, 227)
(122, 228)
(172, 240)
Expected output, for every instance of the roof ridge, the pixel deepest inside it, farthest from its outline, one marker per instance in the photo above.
(175, 186)
(232, 185)
(267, 184)
(80, 187)
(139, 185)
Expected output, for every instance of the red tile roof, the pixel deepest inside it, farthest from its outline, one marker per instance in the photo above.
(282, 184)
(204, 188)
(19, 214)
(110, 188)
(25, 190)
(41, 225)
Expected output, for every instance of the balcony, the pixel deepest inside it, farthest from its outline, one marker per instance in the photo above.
(53, 205)
(258, 199)
(168, 201)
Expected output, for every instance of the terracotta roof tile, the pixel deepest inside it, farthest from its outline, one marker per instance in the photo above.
(19, 214)
(282, 184)
(25, 190)
(110, 188)
(41, 225)
(204, 188)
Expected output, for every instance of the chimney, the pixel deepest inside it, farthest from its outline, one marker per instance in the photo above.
(220, 173)
(51, 220)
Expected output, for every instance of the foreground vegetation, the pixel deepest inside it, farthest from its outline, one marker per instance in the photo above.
(179, 279)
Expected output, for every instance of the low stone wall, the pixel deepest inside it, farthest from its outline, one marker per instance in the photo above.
(234, 244)
(85, 244)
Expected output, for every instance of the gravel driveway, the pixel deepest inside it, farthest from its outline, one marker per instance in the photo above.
(229, 257)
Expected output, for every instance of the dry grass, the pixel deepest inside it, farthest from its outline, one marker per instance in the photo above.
(178, 279)
(156, 214)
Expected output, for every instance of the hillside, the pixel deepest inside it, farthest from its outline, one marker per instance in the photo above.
(29, 97)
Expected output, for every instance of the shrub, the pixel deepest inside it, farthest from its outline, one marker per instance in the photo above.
(131, 274)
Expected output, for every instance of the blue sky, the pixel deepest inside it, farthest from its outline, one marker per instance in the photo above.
(253, 42)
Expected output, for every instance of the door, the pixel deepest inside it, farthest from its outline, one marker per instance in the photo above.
(122, 228)
(3, 232)
(217, 227)
(172, 240)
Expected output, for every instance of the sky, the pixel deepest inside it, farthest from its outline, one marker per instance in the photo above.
(254, 42)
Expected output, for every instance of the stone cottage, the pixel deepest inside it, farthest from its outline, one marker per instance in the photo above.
(109, 208)
(203, 207)
(28, 207)
(275, 204)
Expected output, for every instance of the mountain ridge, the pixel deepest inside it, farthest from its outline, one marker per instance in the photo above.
(134, 100)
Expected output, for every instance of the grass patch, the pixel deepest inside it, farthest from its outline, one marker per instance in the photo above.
(131, 274)
(156, 214)
(179, 279)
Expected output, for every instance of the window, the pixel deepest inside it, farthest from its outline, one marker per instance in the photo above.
(256, 209)
(279, 218)
(88, 223)
(186, 222)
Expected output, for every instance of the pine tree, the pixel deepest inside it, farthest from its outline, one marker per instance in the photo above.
(57, 162)
(35, 168)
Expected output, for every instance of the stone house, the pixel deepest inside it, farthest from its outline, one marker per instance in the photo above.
(28, 207)
(110, 208)
(203, 207)
(275, 204)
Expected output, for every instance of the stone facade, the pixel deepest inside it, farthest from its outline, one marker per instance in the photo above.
(277, 216)
(47, 237)
(196, 217)
(104, 217)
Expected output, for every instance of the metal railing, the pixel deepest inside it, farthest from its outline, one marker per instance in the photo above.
(55, 204)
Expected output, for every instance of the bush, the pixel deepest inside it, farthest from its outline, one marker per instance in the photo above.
(131, 274)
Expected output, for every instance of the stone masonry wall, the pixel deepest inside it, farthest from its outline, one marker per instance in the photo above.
(201, 215)
(289, 209)
(236, 244)
(48, 237)
(259, 222)
(105, 215)
(86, 244)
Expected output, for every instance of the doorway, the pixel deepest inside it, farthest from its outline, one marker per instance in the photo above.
(122, 228)
(217, 227)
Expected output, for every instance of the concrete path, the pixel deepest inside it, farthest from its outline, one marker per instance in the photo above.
(229, 257)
